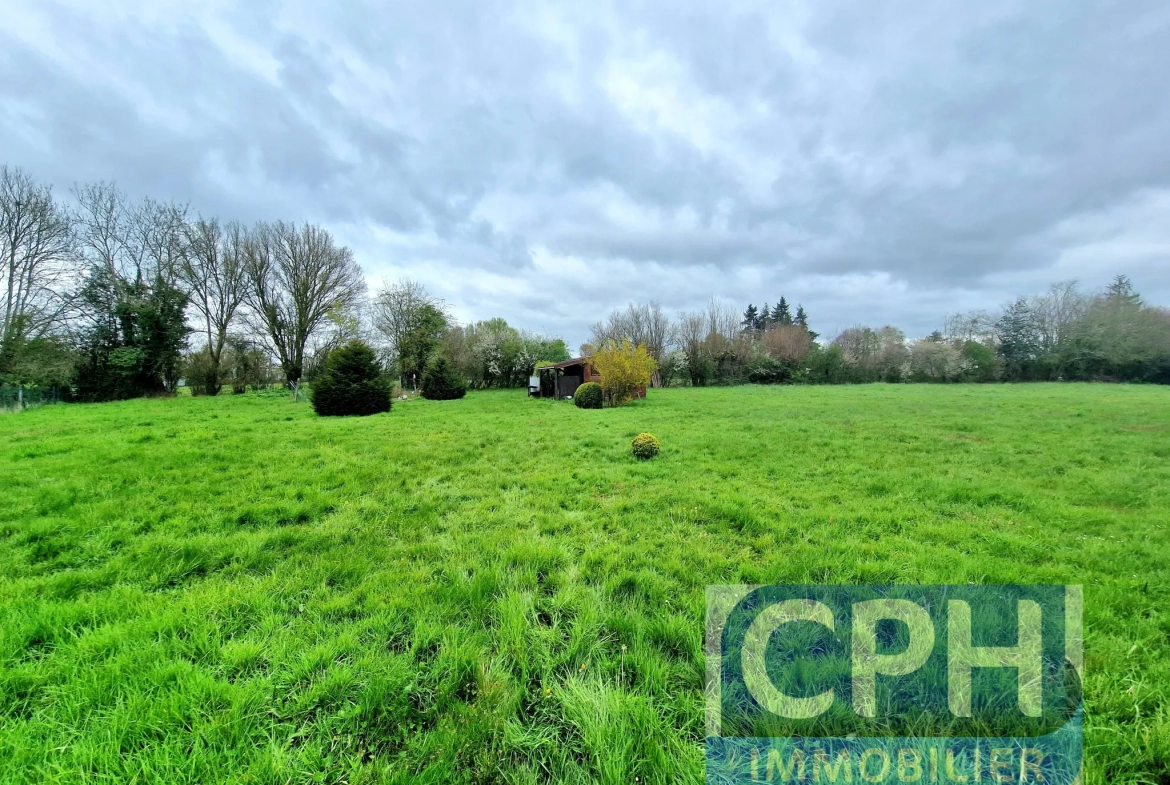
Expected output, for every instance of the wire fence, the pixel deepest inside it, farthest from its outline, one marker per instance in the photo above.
(13, 399)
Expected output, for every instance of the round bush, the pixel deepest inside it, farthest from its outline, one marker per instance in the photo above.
(442, 382)
(351, 383)
(588, 396)
(645, 446)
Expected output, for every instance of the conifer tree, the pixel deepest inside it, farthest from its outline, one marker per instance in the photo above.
(782, 315)
(751, 318)
(442, 382)
(1120, 293)
(1018, 339)
(352, 383)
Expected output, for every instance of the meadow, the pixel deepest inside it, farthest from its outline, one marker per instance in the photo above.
(231, 589)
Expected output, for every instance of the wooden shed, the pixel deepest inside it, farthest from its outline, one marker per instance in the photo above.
(562, 379)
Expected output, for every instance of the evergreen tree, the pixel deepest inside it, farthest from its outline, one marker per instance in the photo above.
(1120, 293)
(164, 332)
(1019, 340)
(782, 315)
(801, 318)
(764, 319)
(751, 318)
(442, 382)
(352, 383)
(135, 340)
(1118, 337)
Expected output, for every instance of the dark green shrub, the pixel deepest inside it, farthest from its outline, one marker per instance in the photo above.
(135, 345)
(201, 374)
(442, 382)
(352, 382)
(645, 446)
(827, 366)
(588, 396)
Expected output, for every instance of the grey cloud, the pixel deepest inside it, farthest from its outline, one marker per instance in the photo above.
(936, 145)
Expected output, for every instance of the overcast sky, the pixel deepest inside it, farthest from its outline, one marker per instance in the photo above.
(879, 162)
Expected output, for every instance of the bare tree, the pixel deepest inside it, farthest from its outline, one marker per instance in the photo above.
(893, 356)
(658, 330)
(690, 334)
(410, 319)
(158, 238)
(976, 325)
(296, 276)
(877, 354)
(1057, 312)
(100, 221)
(726, 344)
(859, 344)
(786, 342)
(36, 245)
(646, 325)
(722, 320)
(136, 243)
(212, 268)
(937, 361)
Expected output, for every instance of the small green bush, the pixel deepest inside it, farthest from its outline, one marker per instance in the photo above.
(645, 446)
(199, 373)
(351, 383)
(442, 382)
(588, 396)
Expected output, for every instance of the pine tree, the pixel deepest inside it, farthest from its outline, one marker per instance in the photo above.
(1117, 330)
(442, 382)
(764, 319)
(751, 318)
(1120, 293)
(1019, 340)
(352, 383)
(782, 315)
(801, 318)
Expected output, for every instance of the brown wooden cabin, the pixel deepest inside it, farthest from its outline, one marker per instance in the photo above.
(563, 378)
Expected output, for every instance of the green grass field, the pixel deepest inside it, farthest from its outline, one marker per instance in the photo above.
(494, 590)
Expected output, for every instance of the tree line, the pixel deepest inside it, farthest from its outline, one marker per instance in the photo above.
(104, 296)
(1065, 334)
(107, 298)
(414, 329)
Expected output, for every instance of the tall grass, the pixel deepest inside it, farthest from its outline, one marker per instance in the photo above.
(231, 589)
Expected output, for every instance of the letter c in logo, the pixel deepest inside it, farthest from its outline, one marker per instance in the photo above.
(755, 646)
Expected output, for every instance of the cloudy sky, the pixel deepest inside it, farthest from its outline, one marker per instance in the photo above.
(549, 161)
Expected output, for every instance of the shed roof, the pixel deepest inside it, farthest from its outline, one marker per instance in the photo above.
(565, 363)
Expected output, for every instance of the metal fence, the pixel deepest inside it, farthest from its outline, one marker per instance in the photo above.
(13, 399)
